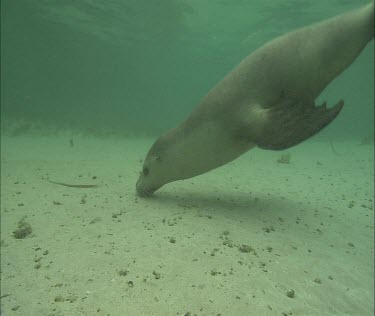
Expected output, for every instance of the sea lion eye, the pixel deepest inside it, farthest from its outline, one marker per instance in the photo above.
(145, 171)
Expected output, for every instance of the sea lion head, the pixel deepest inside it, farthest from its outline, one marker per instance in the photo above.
(163, 164)
(150, 178)
(186, 151)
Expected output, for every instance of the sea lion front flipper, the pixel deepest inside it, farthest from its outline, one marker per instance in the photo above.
(290, 124)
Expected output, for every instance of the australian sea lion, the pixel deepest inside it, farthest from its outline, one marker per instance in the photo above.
(268, 101)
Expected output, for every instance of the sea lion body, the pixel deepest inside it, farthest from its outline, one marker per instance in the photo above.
(266, 101)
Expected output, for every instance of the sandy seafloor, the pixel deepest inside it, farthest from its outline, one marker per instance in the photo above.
(103, 251)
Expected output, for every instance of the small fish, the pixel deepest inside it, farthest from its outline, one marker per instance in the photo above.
(82, 186)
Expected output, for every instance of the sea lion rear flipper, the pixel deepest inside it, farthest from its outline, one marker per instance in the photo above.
(290, 124)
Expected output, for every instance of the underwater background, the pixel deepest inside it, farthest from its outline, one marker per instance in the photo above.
(86, 88)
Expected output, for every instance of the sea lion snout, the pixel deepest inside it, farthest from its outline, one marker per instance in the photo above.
(143, 189)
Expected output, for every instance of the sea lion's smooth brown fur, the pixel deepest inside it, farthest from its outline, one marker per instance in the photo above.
(268, 101)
